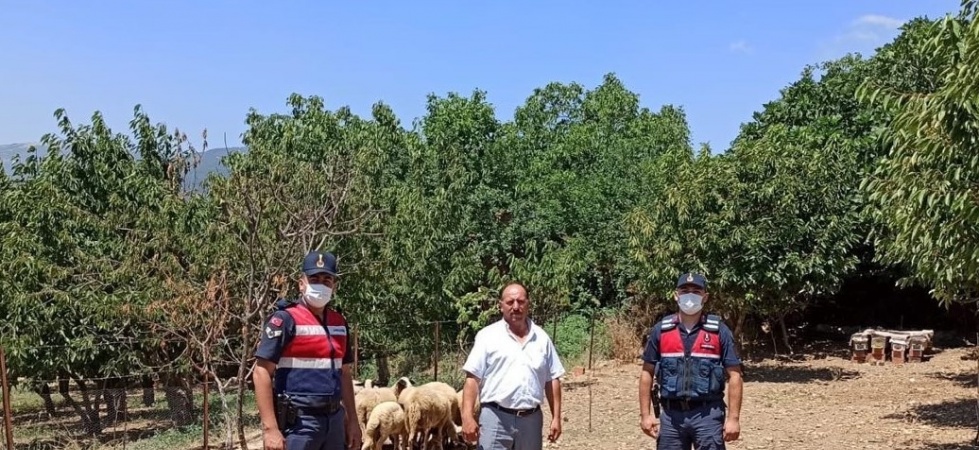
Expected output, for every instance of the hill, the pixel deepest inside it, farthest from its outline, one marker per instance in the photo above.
(210, 160)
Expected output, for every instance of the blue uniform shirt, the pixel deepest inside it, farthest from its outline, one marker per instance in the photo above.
(280, 329)
(729, 355)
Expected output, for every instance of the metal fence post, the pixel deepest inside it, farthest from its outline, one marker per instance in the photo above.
(7, 413)
(437, 350)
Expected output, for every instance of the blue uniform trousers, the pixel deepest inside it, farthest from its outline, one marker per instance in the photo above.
(319, 432)
(701, 426)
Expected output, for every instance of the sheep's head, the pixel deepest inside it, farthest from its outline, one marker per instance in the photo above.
(401, 385)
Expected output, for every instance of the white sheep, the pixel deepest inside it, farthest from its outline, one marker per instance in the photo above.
(457, 414)
(428, 408)
(386, 420)
(370, 396)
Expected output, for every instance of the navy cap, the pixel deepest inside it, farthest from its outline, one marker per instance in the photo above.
(320, 262)
(692, 278)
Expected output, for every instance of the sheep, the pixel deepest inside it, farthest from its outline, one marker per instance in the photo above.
(361, 385)
(457, 413)
(386, 420)
(428, 407)
(367, 398)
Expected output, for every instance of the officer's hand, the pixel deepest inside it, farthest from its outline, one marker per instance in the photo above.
(732, 429)
(354, 437)
(555, 430)
(272, 440)
(650, 426)
(470, 429)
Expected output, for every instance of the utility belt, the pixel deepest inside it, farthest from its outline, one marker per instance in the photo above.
(287, 412)
(516, 412)
(684, 404)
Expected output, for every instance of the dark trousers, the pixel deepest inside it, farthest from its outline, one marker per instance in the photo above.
(701, 426)
(319, 432)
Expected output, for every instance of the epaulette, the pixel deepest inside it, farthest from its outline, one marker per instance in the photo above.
(713, 323)
(283, 303)
(669, 322)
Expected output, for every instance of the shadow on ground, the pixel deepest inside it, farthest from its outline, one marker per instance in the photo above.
(931, 446)
(948, 414)
(796, 374)
(964, 379)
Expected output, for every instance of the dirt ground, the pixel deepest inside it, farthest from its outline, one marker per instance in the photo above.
(821, 401)
(818, 400)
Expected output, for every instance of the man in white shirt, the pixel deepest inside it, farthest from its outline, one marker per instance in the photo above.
(512, 366)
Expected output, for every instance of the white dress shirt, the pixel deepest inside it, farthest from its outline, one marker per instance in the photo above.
(512, 374)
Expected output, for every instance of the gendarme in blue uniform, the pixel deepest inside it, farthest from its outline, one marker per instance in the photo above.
(309, 352)
(690, 371)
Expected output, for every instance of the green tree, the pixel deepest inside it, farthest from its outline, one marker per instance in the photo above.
(924, 192)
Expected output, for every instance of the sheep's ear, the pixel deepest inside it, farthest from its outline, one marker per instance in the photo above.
(368, 383)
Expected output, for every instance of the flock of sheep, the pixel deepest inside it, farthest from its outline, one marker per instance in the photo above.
(424, 416)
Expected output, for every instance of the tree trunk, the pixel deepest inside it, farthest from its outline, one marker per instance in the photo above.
(89, 417)
(242, 385)
(180, 402)
(114, 393)
(785, 332)
(149, 395)
(42, 389)
(737, 330)
(383, 370)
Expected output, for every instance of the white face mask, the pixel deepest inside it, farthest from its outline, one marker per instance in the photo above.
(691, 303)
(317, 295)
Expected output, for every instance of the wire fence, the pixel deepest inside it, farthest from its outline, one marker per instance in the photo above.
(156, 407)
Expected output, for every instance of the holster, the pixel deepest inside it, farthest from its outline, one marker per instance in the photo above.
(655, 397)
(285, 412)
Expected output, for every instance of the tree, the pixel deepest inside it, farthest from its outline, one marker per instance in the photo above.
(925, 192)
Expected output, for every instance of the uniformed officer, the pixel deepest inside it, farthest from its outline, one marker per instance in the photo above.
(305, 350)
(690, 354)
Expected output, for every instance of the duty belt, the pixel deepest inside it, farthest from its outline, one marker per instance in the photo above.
(323, 410)
(516, 412)
(685, 404)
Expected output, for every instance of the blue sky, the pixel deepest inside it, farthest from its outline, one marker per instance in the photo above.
(197, 65)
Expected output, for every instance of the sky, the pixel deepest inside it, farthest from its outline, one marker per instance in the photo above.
(196, 64)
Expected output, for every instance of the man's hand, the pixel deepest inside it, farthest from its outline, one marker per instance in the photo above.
(732, 429)
(272, 440)
(354, 438)
(555, 429)
(650, 426)
(470, 429)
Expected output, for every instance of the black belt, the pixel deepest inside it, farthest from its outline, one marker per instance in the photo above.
(323, 410)
(516, 412)
(685, 404)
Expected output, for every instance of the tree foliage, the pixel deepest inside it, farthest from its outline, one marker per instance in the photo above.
(586, 196)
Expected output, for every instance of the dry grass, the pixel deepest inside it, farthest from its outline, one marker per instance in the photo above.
(625, 344)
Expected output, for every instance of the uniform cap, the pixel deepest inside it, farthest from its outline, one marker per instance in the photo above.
(693, 278)
(320, 262)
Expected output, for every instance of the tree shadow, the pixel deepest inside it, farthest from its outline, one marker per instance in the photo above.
(572, 385)
(966, 380)
(796, 374)
(939, 446)
(801, 351)
(948, 414)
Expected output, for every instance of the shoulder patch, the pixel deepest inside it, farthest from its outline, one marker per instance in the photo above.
(713, 322)
(668, 322)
